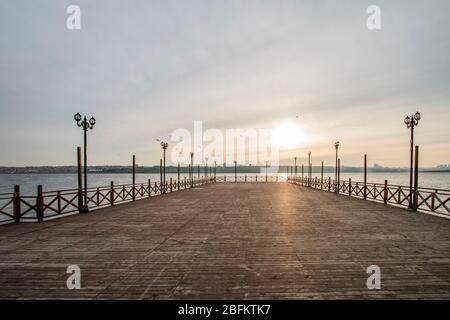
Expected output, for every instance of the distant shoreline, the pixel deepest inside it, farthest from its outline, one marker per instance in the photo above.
(219, 170)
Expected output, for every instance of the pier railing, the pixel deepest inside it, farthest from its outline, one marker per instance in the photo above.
(427, 200)
(46, 205)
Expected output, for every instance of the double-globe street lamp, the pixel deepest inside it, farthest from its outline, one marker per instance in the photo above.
(164, 146)
(411, 122)
(86, 125)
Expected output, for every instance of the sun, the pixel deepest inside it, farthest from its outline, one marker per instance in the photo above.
(287, 136)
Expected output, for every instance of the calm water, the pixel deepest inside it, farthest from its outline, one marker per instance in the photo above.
(28, 182)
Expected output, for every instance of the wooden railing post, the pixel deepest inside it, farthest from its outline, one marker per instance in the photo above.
(133, 192)
(310, 175)
(385, 197)
(170, 184)
(365, 177)
(80, 183)
(349, 187)
(16, 203)
(329, 184)
(58, 197)
(321, 177)
(190, 175)
(178, 178)
(416, 179)
(433, 196)
(338, 176)
(161, 175)
(111, 193)
(39, 204)
(149, 188)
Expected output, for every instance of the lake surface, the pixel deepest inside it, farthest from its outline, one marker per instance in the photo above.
(50, 182)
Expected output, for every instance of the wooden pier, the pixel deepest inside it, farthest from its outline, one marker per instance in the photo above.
(231, 240)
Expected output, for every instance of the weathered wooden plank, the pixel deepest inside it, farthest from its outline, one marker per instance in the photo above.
(239, 240)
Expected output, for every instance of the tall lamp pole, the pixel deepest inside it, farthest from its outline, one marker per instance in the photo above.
(164, 146)
(85, 125)
(309, 168)
(336, 146)
(411, 122)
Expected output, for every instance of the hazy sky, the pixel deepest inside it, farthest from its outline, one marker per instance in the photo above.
(145, 68)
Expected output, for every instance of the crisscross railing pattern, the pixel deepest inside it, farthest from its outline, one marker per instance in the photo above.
(15, 207)
(424, 199)
(6, 207)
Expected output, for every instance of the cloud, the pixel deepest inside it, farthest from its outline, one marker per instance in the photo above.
(146, 68)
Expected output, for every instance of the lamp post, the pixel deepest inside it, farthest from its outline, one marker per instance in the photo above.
(206, 167)
(267, 164)
(85, 125)
(411, 122)
(336, 146)
(309, 169)
(164, 146)
(235, 171)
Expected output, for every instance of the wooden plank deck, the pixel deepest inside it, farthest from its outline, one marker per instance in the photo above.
(231, 240)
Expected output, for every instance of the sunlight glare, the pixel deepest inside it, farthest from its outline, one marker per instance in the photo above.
(287, 136)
